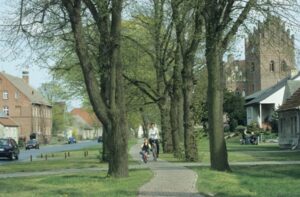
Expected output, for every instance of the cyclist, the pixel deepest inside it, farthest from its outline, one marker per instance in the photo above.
(153, 135)
(145, 150)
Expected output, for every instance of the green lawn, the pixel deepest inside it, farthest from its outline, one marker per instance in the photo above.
(57, 160)
(84, 184)
(251, 181)
(248, 181)
(72, 184)
(243, 153)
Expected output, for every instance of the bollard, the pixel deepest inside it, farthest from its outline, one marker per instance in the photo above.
(30, 158)
(84, 153)
(41, 155)
(46, 157)
(65, 155)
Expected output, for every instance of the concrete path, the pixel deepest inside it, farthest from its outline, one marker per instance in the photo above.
(169, 179)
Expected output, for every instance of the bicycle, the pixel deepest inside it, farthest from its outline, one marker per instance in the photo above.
(144, 156)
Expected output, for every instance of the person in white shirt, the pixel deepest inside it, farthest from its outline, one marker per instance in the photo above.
(154, 136)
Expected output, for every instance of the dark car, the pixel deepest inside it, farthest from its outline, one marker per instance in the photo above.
(100, 139)
(32, 144)
(72, 140)
(9, 148)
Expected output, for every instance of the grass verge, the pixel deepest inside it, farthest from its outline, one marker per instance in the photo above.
(83, 184)
(242, 153)
(75, 159)
(251, 181)
(84, 158)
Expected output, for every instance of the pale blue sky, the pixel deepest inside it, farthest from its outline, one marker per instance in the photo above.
(15, 64)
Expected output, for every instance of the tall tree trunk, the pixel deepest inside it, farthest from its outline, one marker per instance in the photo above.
(118, 160)
(190, 136)
(218, 151)
(145, 123)
(176, 122)
(187, 45)
(105, 143)
(165, 128)
(176, 112)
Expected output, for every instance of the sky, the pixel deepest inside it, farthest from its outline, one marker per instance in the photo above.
(14, 65)
(37, 74)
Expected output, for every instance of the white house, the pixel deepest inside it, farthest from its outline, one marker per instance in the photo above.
(8, 128)
(86, 124)
(261, 105)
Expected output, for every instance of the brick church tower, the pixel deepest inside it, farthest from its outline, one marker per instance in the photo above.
(269, 55)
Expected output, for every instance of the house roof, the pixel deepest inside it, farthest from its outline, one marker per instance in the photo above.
(292, 102)
(8, 122)
(290, 88)
(33, 95)
(257, 97)
(263, 94)
(88, 118)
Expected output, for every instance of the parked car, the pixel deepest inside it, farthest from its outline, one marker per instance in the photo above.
(9, 148)
(32, 144)
(72, 140)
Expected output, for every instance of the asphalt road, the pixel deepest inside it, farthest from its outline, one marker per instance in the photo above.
(25, 154)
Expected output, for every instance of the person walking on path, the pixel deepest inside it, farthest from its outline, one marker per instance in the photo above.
(169, 179)
(154, 137)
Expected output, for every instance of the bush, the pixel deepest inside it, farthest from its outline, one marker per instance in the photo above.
(240, 128)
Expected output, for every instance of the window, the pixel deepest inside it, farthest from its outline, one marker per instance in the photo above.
(16, 94)
(272, 66)
(284, 66)
(6, 110)
(5, 94)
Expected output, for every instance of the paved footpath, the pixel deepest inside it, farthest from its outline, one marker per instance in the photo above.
(169, 179)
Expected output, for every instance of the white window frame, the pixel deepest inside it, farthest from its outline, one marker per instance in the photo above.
(5, 94)
(6, 110)
(17, 94)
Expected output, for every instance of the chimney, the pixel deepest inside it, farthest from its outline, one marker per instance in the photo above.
(25, 76)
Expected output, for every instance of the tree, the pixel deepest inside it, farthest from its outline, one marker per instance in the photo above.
(92, 28)
(220, 29)
(159, 49)
(57, 96)
(234, 109)
(188, 38)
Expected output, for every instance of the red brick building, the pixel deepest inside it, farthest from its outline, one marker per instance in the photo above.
(25, 106)
(269, 58)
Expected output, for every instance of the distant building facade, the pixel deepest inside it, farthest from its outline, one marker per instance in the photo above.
(269, 58)
(25, 106)
(87, 124)
(235, 72)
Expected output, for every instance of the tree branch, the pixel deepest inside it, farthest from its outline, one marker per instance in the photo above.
(250, 4)
(145, 88)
